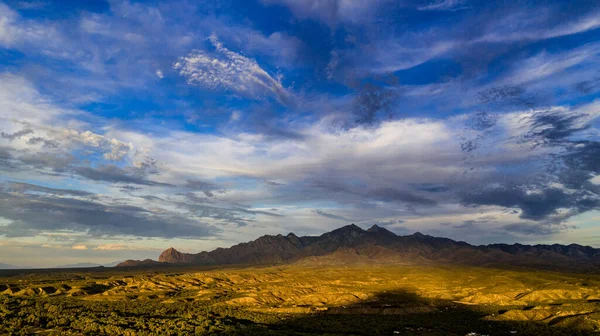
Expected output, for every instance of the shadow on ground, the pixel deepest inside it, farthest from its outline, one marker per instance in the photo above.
(403, 312)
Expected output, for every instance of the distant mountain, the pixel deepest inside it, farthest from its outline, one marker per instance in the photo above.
(137, 263)
(9, 266)
(79, 265)
(351, 244)
(112, 264)
(89, 264)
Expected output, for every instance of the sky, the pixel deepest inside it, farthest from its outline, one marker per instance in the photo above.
(127, 127)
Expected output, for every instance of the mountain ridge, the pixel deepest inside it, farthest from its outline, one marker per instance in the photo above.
(351, 244)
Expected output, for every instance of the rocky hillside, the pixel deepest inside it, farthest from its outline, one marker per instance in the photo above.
(351, 244)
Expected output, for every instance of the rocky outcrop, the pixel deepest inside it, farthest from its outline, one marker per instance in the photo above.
(173, 256)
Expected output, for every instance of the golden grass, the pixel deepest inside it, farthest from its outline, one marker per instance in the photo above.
(524, 295)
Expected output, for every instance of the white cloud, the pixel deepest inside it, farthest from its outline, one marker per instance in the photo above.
(19, 99)
(331, 12)
(118, 247)
(159, 74)
(230, 71)
(443, 5)
(544, 64)
(16, 32)
(524, 26)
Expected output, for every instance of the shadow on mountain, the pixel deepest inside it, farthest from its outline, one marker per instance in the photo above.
(403, 312)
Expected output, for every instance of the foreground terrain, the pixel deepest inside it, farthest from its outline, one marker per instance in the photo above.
(299, 300)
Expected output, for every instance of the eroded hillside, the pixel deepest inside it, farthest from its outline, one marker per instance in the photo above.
(296, 300)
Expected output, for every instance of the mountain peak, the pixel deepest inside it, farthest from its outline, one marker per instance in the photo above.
(350, 227)
(378, 229)
(170, 255)
(345, 234)
(374, 228)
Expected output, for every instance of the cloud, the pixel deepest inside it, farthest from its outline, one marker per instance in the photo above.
(115, 247)
(228, 70)
(79, 247)
(15, 31)
(332, 216)
(475, 117)
(114, 174)
(207, 188)
(279, 47)
(562, 188)
(16, 135)
(33, 214)
(23, 188)
(553, 127)
(331, 12)
(443, 5)
(397, 195)
(538, 229)
(521, 26)
(389, 169)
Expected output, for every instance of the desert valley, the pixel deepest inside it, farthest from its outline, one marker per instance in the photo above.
(346, 282)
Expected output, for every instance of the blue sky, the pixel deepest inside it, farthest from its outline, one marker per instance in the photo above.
(131, 126)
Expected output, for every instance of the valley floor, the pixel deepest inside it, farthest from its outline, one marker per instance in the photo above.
(293, 300)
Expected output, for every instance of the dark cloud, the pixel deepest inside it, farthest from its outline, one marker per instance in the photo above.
(534, 204)
(58, 162)
(540, 195)
(482, 121)
(33, 214)
(359, 195)
(536, 230)
(114, 174)
(130, 188)
(6, 159)
(583, 156)
(213, 212)
(554, 127)
(207, 188)
(21, 187)
(44, 142)
(432, 187)
(16, 135)
(373, 103)
(256, 212)
(332, 216)
(397, 195)
(468, 224)
(588, 86)
(208, 208)
(505, 95)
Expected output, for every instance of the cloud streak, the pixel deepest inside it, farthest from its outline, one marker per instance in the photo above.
(230, 71)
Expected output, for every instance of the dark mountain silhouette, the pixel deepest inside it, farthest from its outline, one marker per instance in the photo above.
(350, 245)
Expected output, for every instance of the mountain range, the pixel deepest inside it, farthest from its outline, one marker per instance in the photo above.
(351, 245)
(8, 266)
